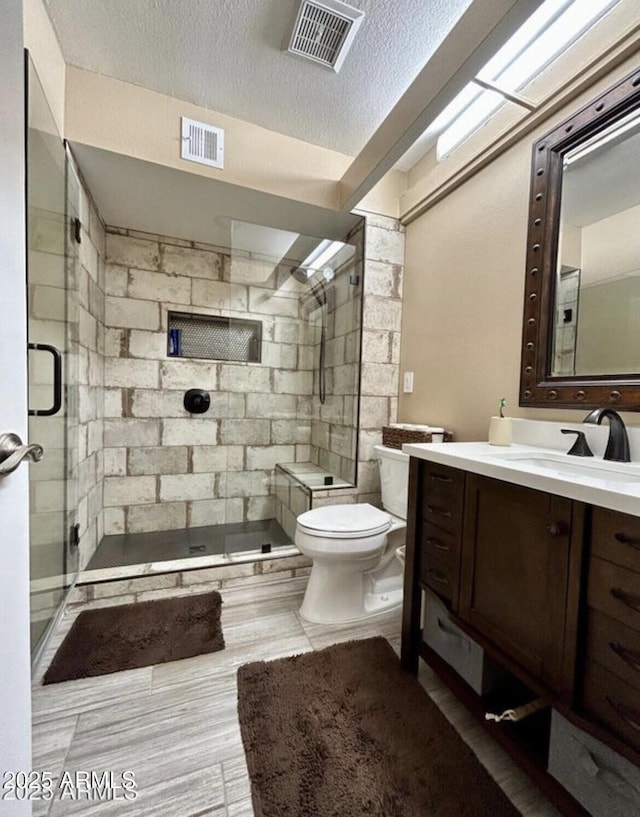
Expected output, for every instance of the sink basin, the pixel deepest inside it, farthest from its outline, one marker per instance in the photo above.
(562, 465)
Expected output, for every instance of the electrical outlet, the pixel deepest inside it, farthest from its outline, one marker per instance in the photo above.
(408, 382)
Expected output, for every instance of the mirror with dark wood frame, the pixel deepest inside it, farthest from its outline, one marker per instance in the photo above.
(581, 326)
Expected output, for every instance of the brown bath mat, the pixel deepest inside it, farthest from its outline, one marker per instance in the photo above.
(128, 636)
(346, 732)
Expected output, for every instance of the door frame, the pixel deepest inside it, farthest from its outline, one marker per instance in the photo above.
(15, 668)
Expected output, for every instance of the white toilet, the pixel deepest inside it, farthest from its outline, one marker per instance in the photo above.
(355, 573)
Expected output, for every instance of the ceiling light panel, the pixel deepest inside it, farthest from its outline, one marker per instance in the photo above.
(552, 29)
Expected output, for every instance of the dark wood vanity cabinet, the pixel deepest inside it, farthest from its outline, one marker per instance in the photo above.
(504, 560)
(515, 566)
(610, 682)
(440, 530)
(549, 588)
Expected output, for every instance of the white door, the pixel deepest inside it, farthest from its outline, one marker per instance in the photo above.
(15, 706)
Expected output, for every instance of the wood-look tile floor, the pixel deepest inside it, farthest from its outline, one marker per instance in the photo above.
(176, 727)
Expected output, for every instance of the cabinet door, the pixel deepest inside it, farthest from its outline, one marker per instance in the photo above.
(515, 568)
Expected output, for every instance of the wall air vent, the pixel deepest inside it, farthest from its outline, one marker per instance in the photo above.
(324, 31)
(202, 143)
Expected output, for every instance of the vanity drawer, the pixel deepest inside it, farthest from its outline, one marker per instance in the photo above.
(614, 590)
(440, 543)
(615, 647)
(613, 702)
(616, 537)
(455, 647)
(440, 576)
(443, 497)
(605, 783)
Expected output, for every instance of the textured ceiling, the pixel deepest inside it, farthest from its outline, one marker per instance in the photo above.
(227, 55)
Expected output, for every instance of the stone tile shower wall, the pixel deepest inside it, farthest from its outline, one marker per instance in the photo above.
(564, 353)
(334, 423)
(377, 404)
(380, 356)
(90, 282)
(167, 469)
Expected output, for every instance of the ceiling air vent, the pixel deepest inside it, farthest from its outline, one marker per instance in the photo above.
(202, 143)
(324, 31)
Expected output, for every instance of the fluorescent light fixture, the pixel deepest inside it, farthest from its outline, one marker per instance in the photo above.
(320, 257)
(524, 36)
(545, 45)
(456, 107)
(553, 28)
(610, 134)
(468, 121)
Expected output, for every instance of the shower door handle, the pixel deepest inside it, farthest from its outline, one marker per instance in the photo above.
(13, 452)
(57, 379)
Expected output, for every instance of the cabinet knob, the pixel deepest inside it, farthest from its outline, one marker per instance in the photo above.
(436, 543)
(630, 657)
(627, 540)
(558, 529)
(629, 599)
(438, 511)
(629, 715)
(437, 577)
(440, 478)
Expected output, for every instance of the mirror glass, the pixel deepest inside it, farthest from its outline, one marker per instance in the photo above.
(596, 311)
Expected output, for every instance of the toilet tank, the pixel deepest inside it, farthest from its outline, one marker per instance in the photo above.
(394, 479)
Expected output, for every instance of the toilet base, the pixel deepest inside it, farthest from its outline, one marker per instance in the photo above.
(344, 596)
(381, 600)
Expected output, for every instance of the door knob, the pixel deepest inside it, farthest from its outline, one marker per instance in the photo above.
(13, 452)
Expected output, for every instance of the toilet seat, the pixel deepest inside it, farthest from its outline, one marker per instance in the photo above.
(344, 521)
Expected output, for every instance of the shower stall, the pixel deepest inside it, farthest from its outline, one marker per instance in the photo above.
(261, 327)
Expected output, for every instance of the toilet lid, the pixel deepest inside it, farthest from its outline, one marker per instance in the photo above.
(345, 521)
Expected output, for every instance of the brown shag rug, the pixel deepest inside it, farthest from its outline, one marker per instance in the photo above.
(346, 732)
(129, 636)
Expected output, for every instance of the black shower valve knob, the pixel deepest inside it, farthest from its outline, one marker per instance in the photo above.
(197, 401)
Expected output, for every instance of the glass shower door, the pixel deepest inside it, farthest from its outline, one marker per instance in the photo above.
(52, 299)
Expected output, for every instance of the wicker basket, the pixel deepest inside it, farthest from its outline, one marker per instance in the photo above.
(397, 437)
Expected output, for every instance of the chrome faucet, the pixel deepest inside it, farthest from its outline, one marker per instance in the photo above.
(618, 442)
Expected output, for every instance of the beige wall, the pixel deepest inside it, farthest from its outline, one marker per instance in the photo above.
(464, 284)
(608, 332)
(611, 247)
(127, 119)
(43, 46)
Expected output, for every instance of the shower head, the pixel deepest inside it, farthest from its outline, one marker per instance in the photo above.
(301, 275)
(304, 276)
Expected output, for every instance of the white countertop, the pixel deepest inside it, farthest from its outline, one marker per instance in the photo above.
(612, 485)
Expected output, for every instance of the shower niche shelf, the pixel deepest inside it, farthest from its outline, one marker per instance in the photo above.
(214, 337)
